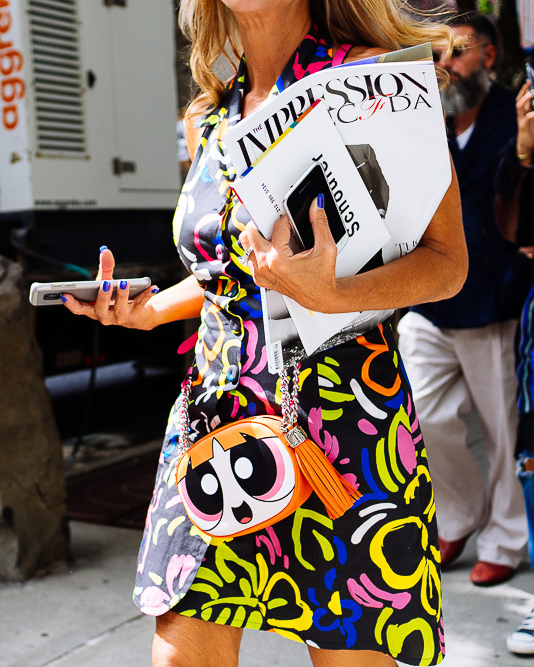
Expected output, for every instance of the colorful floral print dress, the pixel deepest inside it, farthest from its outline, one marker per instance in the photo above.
(367, 581)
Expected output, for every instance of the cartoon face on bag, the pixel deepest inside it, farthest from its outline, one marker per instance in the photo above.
(236, 480)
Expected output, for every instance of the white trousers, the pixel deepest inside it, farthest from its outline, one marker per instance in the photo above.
(451, 371)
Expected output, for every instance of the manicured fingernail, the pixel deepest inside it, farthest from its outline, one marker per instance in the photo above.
(123, 284)
(320, 200)
(103, 247)
(155, 290)
(106, 286)
(63, 298)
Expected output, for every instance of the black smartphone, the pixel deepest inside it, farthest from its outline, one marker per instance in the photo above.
(529, 71)
(297, 202)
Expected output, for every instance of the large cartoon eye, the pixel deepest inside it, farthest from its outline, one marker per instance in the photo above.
(203, 491)
(256, 467)
(209, 484)
(243, 468)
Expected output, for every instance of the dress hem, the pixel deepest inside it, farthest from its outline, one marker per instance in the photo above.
(329, 646)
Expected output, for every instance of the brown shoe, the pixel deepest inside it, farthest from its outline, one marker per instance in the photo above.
(490, 574)
(451, 550)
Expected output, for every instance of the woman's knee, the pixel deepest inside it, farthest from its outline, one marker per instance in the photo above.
(180, 641)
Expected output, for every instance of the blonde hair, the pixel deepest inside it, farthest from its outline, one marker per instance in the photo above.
(213, 32)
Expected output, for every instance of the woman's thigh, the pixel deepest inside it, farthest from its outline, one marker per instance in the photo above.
(322, 658)
(180, 641)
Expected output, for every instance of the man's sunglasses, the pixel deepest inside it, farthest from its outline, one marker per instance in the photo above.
(457, 51)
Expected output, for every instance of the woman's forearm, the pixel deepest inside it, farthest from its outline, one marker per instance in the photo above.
(435, 270)
(423, 275)
(180, 302)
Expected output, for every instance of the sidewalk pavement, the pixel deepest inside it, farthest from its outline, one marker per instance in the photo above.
(81, 615)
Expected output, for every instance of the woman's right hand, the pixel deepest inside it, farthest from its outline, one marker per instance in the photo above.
(135, 314)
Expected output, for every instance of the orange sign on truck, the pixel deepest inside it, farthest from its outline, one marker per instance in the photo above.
(12, 86)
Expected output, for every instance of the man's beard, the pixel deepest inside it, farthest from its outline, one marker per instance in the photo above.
(465, 93)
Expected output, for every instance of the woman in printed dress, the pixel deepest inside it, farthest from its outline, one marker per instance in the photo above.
(363, 590)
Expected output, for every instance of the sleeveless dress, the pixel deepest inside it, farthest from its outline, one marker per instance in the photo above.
(367, 581)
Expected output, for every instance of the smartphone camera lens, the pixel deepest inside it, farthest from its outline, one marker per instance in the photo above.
(51, 296)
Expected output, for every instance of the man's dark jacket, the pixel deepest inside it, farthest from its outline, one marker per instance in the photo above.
(499, 277)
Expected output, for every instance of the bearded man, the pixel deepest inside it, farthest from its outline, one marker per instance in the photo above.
(459, 353)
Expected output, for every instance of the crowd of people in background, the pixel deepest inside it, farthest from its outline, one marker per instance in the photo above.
(459, 352)
(475, 352)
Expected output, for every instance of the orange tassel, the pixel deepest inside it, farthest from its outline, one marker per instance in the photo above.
(335, 492)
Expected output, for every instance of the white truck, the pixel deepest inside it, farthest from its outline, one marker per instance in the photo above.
(88, 105)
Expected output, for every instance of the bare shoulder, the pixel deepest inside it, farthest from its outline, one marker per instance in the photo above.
(360, 52)
(192, 132)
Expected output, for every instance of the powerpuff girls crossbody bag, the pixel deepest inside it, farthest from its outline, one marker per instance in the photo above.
(250, 474)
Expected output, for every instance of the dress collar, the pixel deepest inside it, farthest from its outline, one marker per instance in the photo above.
(313, 54)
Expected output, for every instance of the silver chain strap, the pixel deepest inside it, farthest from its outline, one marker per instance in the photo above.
(183, 414)
(290, 399)
(290, 406)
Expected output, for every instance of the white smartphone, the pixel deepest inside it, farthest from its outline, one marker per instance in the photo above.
(297, 202)
(49, 294)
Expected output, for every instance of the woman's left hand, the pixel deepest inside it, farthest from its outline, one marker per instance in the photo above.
(308, 277)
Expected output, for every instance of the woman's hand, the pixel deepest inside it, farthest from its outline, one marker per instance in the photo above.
(307, 277)
(135, 314)
(525, 125)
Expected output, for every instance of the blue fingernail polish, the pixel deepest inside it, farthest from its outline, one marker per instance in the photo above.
(320, 200)
(106, 286)
(155, 290)
(123, 284)
(64, 299)
(103, 247)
